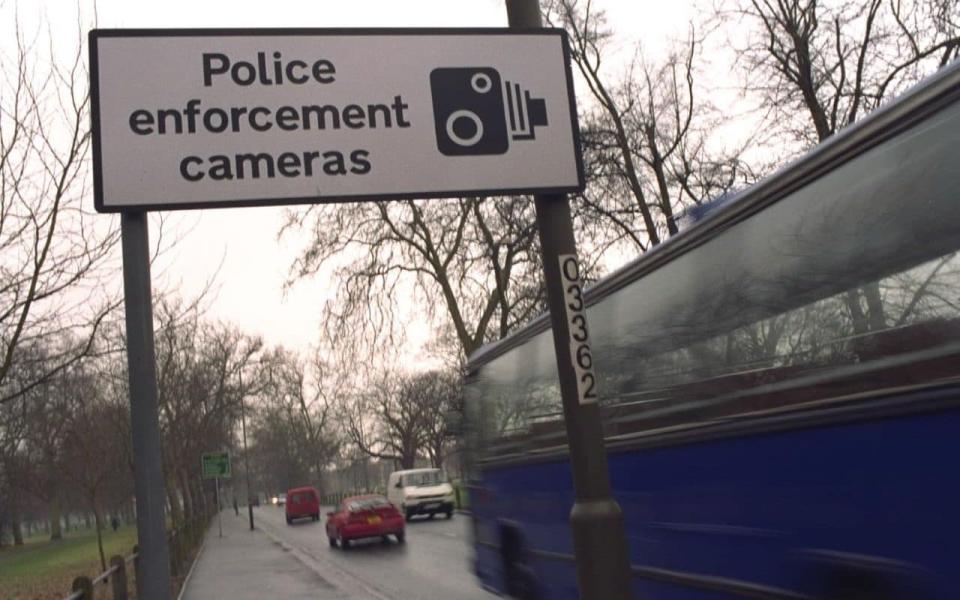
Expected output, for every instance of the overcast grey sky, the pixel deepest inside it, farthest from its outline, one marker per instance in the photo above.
(242, 243)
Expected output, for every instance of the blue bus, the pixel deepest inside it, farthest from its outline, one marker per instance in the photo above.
(779, 387)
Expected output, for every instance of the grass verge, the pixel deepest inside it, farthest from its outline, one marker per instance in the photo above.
(42, 570)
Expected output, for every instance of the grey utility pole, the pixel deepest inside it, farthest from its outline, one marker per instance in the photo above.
(153, 575)
(246, 454)
(596, 521)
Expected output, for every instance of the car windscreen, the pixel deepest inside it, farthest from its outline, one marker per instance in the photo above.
(367, 503)
(425, 478)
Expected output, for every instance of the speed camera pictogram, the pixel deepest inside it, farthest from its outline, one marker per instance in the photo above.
(476, 112)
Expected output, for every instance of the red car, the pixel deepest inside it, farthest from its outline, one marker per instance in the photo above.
(303, 502)
(364, 517)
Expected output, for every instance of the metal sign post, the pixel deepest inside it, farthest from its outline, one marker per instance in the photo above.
(219, 508)
(599, 539)
(214, 465)
(153, 577)
(246, 452)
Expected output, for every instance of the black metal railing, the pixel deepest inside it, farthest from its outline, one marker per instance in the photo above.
(116, 577)
(182, 541)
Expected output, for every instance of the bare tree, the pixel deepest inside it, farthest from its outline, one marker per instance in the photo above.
(49, 409)
(402, 417)
(646, 134)
(198, 383)
(52, 254)
(440, 393)
(817, 67)
(294, 415)
(471, 260)
(93, 455)
(382, 423)
(13, 432)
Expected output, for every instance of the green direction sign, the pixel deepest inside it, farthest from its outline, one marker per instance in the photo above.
(215, 464)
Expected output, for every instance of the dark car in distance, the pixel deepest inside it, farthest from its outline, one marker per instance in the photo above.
(303, 502)
(361, 517)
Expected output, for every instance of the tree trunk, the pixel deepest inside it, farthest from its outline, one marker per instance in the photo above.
(129, 513)
(878, 320)
(199, 497)
(188, 508)
(318, 477)
(176, 509)
(173, 498)
(859, 320)
(15, 524)
(56, 533)
(98, 523)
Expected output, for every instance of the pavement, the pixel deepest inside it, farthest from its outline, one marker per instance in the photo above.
(295, 561)
(249, 564)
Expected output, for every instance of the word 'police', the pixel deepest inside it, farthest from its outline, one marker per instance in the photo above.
(246, 73)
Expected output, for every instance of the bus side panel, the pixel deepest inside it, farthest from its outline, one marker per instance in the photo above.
(536, 500)
(807, 510)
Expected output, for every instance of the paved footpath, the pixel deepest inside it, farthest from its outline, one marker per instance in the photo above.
(249, 564)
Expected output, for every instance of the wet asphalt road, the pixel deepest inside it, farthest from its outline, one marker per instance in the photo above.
(433, 564)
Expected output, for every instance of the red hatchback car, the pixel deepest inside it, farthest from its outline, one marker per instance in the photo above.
(303, 502)
(364, 517)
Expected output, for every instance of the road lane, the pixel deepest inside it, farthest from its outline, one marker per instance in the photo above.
(434, 563)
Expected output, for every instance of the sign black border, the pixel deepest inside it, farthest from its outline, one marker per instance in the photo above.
(95, 34)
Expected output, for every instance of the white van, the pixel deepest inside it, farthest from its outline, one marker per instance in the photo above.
(421, 492)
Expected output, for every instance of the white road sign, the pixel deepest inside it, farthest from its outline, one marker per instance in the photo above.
(209, 118)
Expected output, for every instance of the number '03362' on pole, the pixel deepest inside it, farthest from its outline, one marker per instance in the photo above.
(577, 323)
